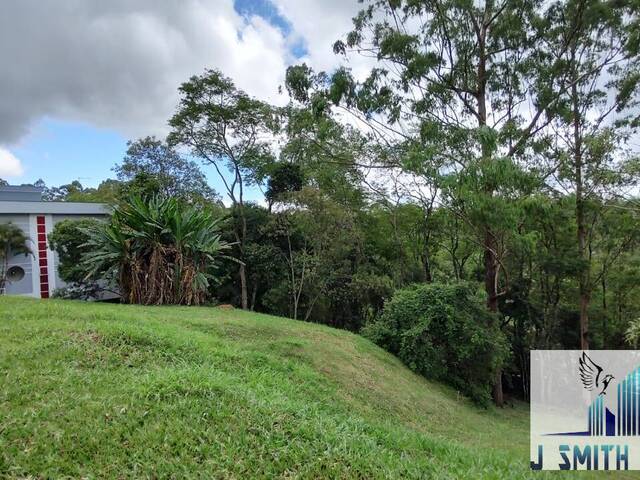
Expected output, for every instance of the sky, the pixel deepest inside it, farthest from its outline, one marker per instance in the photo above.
(81, 77)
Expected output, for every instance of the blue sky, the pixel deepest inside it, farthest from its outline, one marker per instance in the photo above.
(58, 152)
(267, 10)
(73, 113)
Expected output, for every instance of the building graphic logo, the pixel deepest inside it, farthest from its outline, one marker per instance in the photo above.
(585, 410)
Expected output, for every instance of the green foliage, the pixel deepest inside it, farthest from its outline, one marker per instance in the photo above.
(632, 335)
(69, 240)
(225, 127)
(159, 250)
(222, 124)
(151, 167)
(108, 191)
(443, 332)
(284, 178)
(13, 241)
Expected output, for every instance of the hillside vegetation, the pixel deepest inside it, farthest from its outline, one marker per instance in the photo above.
(98, 390)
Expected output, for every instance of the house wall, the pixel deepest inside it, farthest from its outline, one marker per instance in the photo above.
(26, 285)
(41, 276)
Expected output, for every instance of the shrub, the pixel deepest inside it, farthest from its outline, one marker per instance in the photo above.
(443, 332)
(68, 239)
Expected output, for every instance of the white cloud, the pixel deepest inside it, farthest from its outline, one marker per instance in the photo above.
(118, 64)
(10, 166)
(320, 23)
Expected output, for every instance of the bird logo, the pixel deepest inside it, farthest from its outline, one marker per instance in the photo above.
(592, 376)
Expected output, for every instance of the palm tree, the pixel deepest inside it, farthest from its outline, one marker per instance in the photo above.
(159, 250)
(13, 241)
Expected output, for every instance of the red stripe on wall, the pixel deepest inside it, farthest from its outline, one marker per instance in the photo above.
(42, 257)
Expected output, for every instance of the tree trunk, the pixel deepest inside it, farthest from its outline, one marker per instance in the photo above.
(242, 239)
(490, 260)
(243, 287)
(605, 313)
(584, 280)
(428, 277)
(490, 266)
(254, 294)
(490, 276)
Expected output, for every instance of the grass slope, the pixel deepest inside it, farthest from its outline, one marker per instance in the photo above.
(96, 390)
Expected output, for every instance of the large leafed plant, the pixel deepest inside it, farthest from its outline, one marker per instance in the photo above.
(159, 251)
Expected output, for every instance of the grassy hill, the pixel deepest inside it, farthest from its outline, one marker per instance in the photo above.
(97, 390)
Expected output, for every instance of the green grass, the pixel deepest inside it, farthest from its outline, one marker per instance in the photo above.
(113, 391)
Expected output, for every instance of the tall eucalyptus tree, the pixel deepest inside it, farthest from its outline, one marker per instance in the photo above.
(596, 43)
(227, 129)
(467, 85)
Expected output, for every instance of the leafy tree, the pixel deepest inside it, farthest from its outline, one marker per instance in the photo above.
(450, 83)
(151, 167)
(320, 239)
(461, 95)
(283, 178)
(330, 155)
(226, 128)
(262, 257)
(109, 191)
(599, 81)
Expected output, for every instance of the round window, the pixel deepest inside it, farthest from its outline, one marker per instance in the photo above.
(15, 273)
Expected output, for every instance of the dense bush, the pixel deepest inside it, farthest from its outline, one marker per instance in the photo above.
(443, 332)
(68, 239)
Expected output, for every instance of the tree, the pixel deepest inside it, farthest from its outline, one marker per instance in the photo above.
(109, 191)
(599, 84)
(434, 329)
(451, 81)
(284, 178)
(13, 241)
(226, 128)
(151, 167)
(319, 238)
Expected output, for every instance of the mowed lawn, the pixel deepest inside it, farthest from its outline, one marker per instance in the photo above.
(114, 391)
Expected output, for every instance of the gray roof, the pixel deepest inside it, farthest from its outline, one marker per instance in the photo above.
(61, 208)
(20, 193)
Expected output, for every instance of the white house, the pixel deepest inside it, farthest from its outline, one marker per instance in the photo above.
(37, 275)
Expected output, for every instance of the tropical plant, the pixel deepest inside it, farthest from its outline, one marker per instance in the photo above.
(159, 251)
(13, 241)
